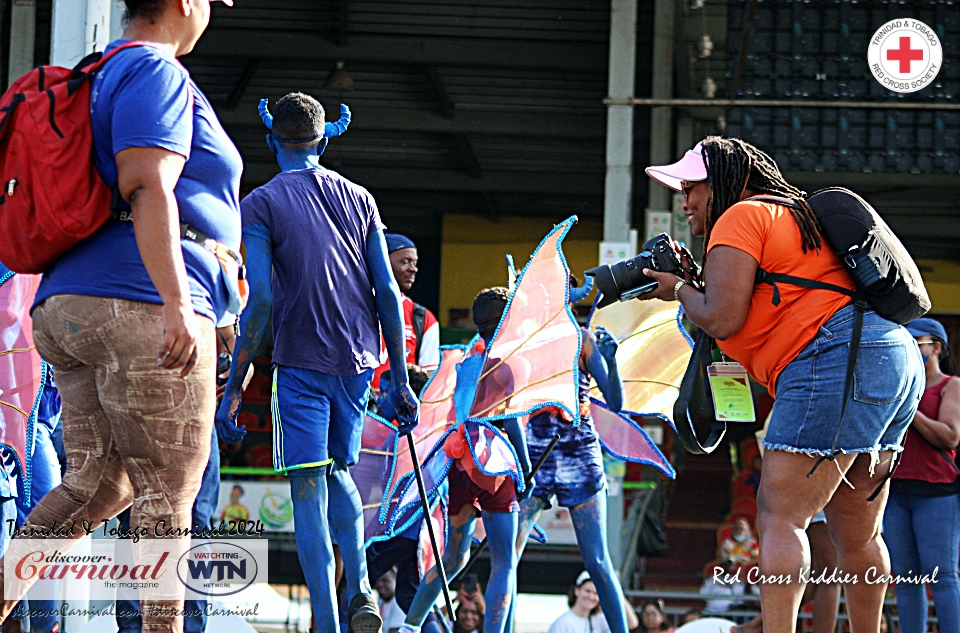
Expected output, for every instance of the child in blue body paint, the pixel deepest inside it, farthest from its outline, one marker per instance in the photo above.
(331, 282)
(573, 471)
(498, 509)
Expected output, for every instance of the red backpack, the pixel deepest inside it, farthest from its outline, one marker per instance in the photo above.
(51, 194)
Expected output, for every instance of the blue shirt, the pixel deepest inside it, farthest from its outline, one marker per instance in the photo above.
(143, 97)
(324, 309)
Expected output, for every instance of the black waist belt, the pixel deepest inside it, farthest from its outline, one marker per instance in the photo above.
(195, 235)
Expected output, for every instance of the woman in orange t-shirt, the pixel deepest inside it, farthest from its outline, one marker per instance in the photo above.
(797, 349)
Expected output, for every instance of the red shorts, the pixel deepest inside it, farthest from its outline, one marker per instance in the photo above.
(464, 491)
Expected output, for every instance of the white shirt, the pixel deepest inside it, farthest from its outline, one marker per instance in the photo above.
(391, 614)
(719, 588)
(570, 622)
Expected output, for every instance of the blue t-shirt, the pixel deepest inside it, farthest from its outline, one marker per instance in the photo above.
(324, 310)
(143, 97)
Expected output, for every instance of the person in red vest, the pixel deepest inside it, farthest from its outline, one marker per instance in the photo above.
(420, 327)
(921, 524)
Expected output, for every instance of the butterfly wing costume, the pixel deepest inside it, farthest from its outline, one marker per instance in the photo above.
(653, 351)
(530, 363)
(22, 372)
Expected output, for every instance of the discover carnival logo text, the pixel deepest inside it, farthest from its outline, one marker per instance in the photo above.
(905, 55)
(106, 568)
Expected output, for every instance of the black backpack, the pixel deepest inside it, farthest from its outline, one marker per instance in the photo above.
(887, 280)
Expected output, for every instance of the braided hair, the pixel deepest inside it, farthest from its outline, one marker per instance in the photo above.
(734, 166)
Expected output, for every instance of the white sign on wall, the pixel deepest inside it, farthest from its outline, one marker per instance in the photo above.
(658, 222)
(613, 252)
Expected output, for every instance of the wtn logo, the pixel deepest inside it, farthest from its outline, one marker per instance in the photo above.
(218, 568)
(223, 568)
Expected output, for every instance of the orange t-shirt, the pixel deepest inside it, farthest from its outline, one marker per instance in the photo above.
(772, 336)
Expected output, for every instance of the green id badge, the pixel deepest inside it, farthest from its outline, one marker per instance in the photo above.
(732, 399)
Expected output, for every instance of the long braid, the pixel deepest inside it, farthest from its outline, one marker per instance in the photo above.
(733, 166)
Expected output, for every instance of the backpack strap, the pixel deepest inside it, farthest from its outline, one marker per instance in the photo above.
(953, 463)
(786, 202)
(419, 323)
(860, 309)
(104, 58)
(764, 277)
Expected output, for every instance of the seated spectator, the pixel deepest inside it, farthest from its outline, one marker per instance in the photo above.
(886, 622)
(584, 615)
(741, 547)
(653, 619)
(722, 584)
(469, 617)
(390, 611)
(690, 616)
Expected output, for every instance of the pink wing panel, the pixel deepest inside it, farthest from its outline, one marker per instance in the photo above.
(625, 439)
(20, 368)
(533, 357)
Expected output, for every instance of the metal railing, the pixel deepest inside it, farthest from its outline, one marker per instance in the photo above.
(675, 613)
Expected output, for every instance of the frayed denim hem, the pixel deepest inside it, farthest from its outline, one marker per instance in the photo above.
(813, 452)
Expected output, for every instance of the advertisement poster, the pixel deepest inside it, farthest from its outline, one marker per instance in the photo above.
(265, 501)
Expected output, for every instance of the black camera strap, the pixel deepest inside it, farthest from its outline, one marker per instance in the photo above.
(695, 383)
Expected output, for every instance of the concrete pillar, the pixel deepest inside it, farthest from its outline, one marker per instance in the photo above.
(23, 26)
(661, 118)
(81, 27)
(618, 186)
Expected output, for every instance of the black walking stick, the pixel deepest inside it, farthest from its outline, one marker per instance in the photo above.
(426, 517)
(526, 481)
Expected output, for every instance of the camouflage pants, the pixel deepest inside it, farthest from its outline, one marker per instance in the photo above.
(134, 432)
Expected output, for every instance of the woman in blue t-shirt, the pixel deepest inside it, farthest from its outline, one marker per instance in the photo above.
(127, 316)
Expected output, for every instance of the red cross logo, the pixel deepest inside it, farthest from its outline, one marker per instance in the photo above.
(905, 55)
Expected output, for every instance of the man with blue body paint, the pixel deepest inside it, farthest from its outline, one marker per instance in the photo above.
(331, 282)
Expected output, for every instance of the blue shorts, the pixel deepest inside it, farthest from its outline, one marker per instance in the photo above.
(573, 471)
(317, 417)
(888, 381)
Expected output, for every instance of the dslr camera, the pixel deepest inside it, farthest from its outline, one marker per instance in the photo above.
(625, 280)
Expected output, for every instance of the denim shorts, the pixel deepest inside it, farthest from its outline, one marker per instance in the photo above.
(888, 381)
(573, 472)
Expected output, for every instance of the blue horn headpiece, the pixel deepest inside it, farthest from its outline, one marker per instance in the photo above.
(330, 130)
(579, 294)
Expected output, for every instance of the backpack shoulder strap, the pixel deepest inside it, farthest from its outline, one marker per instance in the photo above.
(786, 202)
(419, 322)
(764, 277)
(953, 464)
(98, 64)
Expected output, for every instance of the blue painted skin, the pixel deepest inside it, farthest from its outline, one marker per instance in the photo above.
(501, 527)
(590, 518)
(315, 490)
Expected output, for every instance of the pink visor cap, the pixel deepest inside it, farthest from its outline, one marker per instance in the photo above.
(690, 168)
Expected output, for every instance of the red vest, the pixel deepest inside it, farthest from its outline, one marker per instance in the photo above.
(921, 460)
